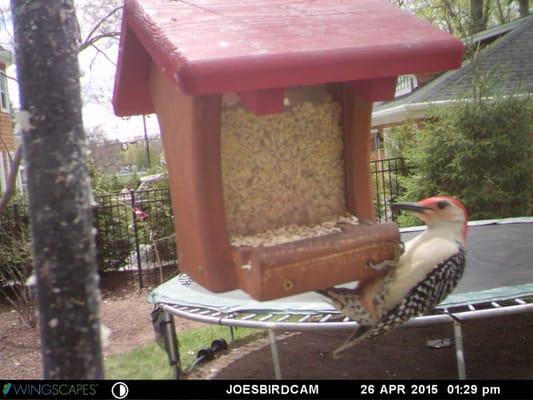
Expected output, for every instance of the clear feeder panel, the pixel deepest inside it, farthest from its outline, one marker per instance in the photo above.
(283, 175)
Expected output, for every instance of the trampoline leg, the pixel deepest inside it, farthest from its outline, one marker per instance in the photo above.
(275, 355)
(171, 342)
(231, 334)
(459, 349)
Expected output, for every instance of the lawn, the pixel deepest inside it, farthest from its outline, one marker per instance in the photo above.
(151, 362)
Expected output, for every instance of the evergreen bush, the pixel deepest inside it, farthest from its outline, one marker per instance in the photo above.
(477, 150)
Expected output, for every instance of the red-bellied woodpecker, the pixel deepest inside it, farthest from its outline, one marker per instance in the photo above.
(427, 271)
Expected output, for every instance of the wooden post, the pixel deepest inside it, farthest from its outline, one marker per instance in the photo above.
(357, 118)
(59, 188)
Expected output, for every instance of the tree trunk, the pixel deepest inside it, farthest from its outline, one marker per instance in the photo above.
(59, 188)
(524, 7)
(476, 14)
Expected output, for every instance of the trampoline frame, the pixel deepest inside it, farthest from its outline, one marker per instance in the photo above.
(277, 322)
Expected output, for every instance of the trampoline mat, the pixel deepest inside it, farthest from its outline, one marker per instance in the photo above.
(499, 267)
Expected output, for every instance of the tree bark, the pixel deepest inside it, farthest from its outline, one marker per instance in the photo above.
(476, 14)
(524, 7)
(59, 188)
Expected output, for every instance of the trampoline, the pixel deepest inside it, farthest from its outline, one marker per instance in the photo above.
(498, 281)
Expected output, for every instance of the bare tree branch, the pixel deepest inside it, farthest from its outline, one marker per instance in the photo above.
(100, 23)
(103, 54)
(94, 39)
(11, 180)
(8, 77)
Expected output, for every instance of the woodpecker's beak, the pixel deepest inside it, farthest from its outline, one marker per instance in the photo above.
(414, 208)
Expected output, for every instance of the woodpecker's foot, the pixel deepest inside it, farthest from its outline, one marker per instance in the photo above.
(398, 251)
(382, 265)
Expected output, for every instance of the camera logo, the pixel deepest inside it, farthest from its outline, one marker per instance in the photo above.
(6, 389)
(120, 390)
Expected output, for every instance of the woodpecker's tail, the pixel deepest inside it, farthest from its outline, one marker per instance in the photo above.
(358, 335)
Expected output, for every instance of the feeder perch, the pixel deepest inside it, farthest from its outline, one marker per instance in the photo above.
(264, 109)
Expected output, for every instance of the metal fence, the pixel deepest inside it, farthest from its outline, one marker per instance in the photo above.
(135, 229)
(385, 174)
(135, 232)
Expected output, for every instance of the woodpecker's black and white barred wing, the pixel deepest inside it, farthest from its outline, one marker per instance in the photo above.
(425, 296)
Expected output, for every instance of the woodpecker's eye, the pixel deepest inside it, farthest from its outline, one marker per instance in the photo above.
(442, 204)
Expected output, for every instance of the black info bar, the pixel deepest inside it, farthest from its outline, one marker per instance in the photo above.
(253, 389)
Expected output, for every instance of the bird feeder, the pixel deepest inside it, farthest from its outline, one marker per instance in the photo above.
(265, 108)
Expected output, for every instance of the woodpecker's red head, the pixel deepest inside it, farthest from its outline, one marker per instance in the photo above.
(439, 211)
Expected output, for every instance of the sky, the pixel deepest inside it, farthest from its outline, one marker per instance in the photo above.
(97, 79)
(97, 76)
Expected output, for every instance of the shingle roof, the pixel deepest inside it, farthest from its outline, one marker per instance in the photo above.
(508, 62)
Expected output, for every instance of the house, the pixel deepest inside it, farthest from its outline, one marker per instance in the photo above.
(505, 57)
(112, 157)
(7, 139)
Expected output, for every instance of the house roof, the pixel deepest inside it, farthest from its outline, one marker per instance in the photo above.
(213, 46)
(507, 63)
(494, 32)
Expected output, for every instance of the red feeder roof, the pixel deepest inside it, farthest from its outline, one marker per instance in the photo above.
(216, 46)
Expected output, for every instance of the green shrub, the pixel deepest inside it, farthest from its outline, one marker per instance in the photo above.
(16, 266)
(159, 228)
(479, 151)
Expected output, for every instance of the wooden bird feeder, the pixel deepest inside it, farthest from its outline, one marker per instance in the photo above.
(264, 108)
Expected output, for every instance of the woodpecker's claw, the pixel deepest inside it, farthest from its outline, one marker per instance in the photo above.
(398, 251)
(380, 266)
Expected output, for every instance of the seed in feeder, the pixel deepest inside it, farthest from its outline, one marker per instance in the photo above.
(286, 168)
(291, 233)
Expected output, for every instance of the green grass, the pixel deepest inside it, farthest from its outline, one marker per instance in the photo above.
(151, 361)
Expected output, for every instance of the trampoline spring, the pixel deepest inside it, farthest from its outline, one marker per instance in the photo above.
(194, 310)
(205, 312)
(266, 317)
(326, 318)
(495, 305)
(283, 318)
(520, 301)
(346, 319)
(304, 318)
(247, 317)
(471, 307)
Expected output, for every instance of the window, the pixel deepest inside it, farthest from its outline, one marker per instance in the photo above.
(4, 96)
(405, 85)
